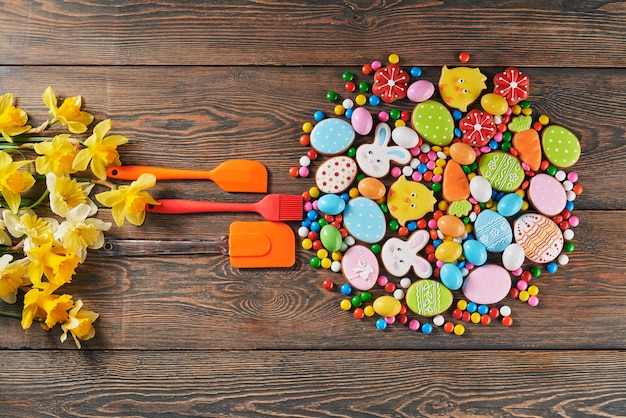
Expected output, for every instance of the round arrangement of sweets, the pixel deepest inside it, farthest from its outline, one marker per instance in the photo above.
(435, 203)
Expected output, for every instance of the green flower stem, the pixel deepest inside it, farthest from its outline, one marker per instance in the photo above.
(16, 315)
(27, 138)
(41, 198)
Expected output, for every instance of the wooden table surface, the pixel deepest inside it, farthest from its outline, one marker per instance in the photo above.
(193, 84)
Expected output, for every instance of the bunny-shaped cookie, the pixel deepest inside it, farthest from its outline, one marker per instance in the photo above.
(374, 159)
(399, 256)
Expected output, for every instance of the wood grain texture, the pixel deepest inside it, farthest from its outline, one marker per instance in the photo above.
(194, 83)
(300, 32)
(315, 384)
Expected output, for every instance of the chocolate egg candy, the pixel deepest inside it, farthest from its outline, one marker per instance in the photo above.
(462, 153)
(331, 238)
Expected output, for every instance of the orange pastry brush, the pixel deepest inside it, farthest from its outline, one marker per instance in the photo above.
(273, 207)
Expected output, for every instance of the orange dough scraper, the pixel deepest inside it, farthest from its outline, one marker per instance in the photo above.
(231, 176)
(249, 245)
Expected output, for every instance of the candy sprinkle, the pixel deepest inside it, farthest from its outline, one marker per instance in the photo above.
(423, 185)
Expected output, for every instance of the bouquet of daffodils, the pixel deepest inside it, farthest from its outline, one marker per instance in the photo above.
(43, 239)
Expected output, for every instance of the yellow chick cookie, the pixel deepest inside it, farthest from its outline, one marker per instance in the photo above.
(409, 200)
(461, 86)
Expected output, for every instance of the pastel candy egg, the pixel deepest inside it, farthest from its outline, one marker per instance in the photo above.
(331, 238)
(451, 226)
(332, 136)
(510, 204)
(448, 251)
(540, 237)
(504, 171)
(493, 231)
(560, 146)
(336, 174)
(480, 189)
(487, 284)
(513, 257)
(362, 121)
(474, 252)
(364, 220)
(405, 137)
(387, 306)
(547, 194)
(462, 153)
(451, 276)
(494, 104)
(420, 91)
(372, 188)
(433, 122)
(359, 266)
(428, 297)
(331, 204)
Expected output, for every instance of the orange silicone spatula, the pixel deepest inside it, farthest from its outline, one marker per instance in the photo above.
(249, 245)
(231, 176)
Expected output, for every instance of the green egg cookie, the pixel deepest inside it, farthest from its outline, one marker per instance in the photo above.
(433, 122)
(560, 146)
(503, 171)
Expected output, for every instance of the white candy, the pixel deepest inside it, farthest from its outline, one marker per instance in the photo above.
(336, 266)
(305, 161)
(568, 234)
(405, 282)
(407, 170)
(303, 232)
(347, 104)
(505, 310)
(438, 320)
(560, 175)
(563, 259)
(398, 294)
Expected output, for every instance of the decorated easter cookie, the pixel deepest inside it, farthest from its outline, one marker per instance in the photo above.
(332, 136)
(477, 128)
(547, 194)
(455, 185)
(540, 237)
(487, 284)
(364, 220)
(399, 256)
(461, 86)
(336, 174)
(528, 146)
(503, 171)
(433, 122)
(428, 298)
(409, 200)
(560, 146)
(512, 84)
(375, 159)
(360, 266)
(493, 231)
(390, 83)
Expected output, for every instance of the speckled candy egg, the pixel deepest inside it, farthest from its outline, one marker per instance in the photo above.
(362, 121)
(433, 122)
(336, 174)
(487, 284)
(364, 220)
(493, 231)
(428, 297)
(332, 136)
(540, 237)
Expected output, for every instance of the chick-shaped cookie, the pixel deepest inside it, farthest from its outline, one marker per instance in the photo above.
(409, 200)
(461, 86)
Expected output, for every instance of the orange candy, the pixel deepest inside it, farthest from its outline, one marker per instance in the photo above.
(462, 153)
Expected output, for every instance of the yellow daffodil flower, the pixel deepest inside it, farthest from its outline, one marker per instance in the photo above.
(56, 156)
(66, 193)
(79, 324)
(78, 233)
(69, 113)
(12, 119)
(12, 181)
(38, 230)
(130, 201)
(12, 277)
(101, 151)
(40, 302)
(52, 261)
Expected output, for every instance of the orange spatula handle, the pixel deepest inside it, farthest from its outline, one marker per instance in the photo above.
(132, 172)
(181, 206)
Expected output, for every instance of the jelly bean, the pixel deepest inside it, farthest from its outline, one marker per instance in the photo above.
(448, 251)
(331, 204)
(474, 252)
(494, 104)
(451, 226)
(451, 276)
(387, 306)
(331, 238)
(372, 188)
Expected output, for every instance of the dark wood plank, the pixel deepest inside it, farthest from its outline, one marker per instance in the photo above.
(313, 384)
(571, 34)
(207, 115)
(203, 303)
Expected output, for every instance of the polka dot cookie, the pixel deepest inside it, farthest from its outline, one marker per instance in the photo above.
(433, 122)
(560, 146)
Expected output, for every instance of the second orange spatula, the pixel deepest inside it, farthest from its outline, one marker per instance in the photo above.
(231, 176)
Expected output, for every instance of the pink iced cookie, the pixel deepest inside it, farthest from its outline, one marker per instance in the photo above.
(360, 266)
(487, 284)
(547, 194)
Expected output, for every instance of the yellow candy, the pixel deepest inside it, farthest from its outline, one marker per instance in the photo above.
(442, 205)
(314, 192)
(544, 120)
(339, 110)
(459, 329)
(516, 109)
(533, 290)
(524, 295)
(354, 192)
(360, 99)
(398, 123)
(307, 244)
(307, 127)
(393, 58)
(462, 304)
(438, 170)
(494, 104)
(322, 253)
(369, 310)
(345, 304)
(475, 317)
(326, 263)
(448, 251)
(387, 306)
(527, 111)
(336, 255)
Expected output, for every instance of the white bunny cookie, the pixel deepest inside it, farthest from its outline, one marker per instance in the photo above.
(399, 256)
(374, 159)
